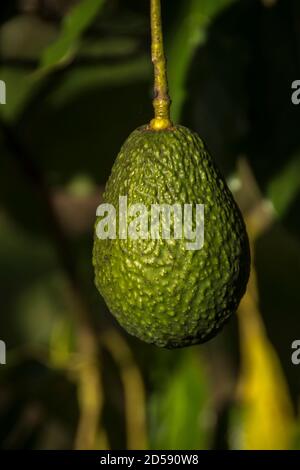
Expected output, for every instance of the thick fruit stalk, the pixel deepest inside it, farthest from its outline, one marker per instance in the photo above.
(161, 102)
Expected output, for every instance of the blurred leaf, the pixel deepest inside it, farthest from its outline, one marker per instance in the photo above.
(112, 101)
(188, 34)
(278, 272)
(133, 389)
(61, 343)
(32, 286)
(84, 79)
(118, 46)
(267, 411)
(267, 421)
(39, 308)
(74, 25)
(285, 185)
(180, 409)
(19, 86)
(22, 40)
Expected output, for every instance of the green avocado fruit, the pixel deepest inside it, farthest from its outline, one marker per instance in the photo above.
(157, 289)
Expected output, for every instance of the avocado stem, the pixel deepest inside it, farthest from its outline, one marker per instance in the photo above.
(161, 102)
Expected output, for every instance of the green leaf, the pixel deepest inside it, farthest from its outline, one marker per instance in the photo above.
(73, 26)
(19, 88)
(179, 410)
(23, 39)
(189, 33)
(84, 79)
(284, 187)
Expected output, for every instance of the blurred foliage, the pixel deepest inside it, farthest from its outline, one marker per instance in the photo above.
(74, 25)
(79, 80)
(180, 410)
(262, 389)
(285, 187)
(188, 33)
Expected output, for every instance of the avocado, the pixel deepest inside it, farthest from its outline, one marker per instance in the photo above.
(159, 290)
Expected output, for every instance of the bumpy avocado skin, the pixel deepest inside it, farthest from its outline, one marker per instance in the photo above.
(157, 290)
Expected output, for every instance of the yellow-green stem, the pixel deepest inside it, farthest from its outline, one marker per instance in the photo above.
(161, 102)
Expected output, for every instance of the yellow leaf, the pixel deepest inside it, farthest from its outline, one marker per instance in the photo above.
(267, 418)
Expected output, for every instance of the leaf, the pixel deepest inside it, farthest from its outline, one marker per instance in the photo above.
(83, 79)
(178, 411)
(19, 87)
(23, 39)
(115, 99)
(267, 413)
(285, 185)
(189, 33)
(267, 421)
(73, 26)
